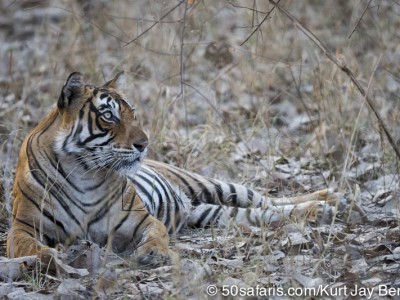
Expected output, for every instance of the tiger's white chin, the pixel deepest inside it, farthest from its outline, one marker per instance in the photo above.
(131, 165)
(130, 168)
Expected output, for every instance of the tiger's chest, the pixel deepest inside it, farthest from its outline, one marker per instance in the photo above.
(82, 214)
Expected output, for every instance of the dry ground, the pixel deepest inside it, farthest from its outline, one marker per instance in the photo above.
(274, 114)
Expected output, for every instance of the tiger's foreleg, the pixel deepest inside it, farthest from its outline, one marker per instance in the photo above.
(153, 249)
(20, 242)
(150, 235)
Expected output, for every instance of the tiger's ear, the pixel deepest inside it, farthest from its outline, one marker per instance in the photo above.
(117, 83)
(73, 88)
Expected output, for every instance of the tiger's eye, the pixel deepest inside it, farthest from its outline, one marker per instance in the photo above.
(107, 115)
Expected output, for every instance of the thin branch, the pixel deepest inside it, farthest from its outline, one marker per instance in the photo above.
(254, 17)
(182, 64)
(259, 25)
(181, 58)
(249, 8)
(359, 20)
(224, 120)
(155, 23)
(345, 69)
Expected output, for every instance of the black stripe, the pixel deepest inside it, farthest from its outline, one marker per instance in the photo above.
(122, 221)
(144, 191)
(50, 241)
(219, 191)
(104, 209)
(165, 204)
(89, 123)
(37, 173)
(26, 224)
(149, 182)
(96, 186)
(102, 197)
(193, 196)
(67, 138)
(79, 127)
(83, 165)
(207, 196)
(177, 204)
(250, 195)
(47, 214)
(233, 195)
(34, 166)
(58, 167)
(167, 199)
(93, 109)
(91, 138)
(202, 217)
(55, 186)
(138, 225)
(98, 125)
(214, 215)
(106, 142)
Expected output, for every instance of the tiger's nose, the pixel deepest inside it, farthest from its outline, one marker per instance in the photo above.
(141, 145)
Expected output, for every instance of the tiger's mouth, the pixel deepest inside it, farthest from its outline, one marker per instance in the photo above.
(128, 162)
(128, 166)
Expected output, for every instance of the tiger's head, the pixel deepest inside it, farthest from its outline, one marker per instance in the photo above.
(99, 127)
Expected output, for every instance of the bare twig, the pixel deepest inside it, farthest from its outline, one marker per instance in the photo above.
(249, 8)
(342, 65)
(224, 120)
(259, 25)
(359, 20)
(182, 65)
(155, 23)
(181, 55)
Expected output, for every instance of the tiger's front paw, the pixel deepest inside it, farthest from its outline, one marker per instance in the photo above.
(153, 249)
(49, 258)
(155, 258)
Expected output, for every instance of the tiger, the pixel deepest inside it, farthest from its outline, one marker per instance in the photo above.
(82, 173)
